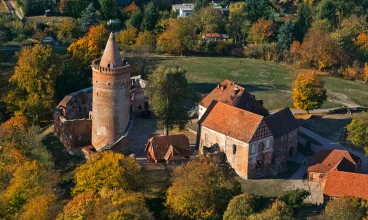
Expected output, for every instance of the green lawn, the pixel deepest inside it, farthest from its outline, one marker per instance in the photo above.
(268, 81)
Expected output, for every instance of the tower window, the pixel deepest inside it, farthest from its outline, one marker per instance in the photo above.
(234, 148)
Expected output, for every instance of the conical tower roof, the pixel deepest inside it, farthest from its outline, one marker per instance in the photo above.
(111, 54)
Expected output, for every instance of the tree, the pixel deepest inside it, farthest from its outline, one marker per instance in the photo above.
(211, 20)
(128, 36)
(77, 6)
(179, 37)
(261, 31)
(309, 91)
(41, 207)
(362, 42)
(88, 18)
(109, 9)
(257, 9)
(149, 18)
(303, 20)
(343, 208)
(33, 82)
(107, 170)
(365, 72)
(327, 10)
(278, 210)
(63, 7)
(145, 38)
(169, 91)
(128, 10)
(67, 31)
(285, 36)
(237, 24)
(107, 204)
(135, 19)
(199, 4)
(200, 190)
(240, 207)
(358, 130)
(90, 47)
(295, 198)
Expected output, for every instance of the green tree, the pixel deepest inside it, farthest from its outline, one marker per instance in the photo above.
(210, 19)
(109, 9)
(107, 170)
(240, 207)
(285, 35)
(295, 198)
(135, 20)
(327, 10)
(107, 204)
(343, 208)
(358, 130)
(200, 190)
(199, 4)
(149, 18)
(88, 18)
(309, 91)
(169, 91)
(257, 9)
(237, 25)
(33, 82)
(76, 6)
(303, 20)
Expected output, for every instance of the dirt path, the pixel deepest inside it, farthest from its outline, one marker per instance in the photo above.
(341, 99)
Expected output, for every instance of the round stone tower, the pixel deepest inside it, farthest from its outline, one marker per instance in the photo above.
(110, 100)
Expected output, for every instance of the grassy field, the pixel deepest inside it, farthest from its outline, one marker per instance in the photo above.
(268, 81)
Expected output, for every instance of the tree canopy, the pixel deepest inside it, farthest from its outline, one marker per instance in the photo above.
(240, 207)
(343, 208)
(358, 130)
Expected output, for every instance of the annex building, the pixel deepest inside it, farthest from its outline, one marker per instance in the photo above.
(255, 143)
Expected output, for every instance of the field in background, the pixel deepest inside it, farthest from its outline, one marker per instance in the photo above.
(268, 81)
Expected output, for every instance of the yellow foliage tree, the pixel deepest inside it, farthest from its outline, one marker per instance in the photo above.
(128, 36)
(309, 91)
(33, 82)
(261, 31)
(66, 31)
(42, 207)
(362, 42)
(365, 72)
(145, 38)
(90, 47)
(107, 170)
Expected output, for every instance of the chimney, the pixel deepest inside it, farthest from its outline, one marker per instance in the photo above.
(236, 91)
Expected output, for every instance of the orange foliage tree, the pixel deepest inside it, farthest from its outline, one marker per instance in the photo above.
(261, 31)
(130, 8)
(309, 91)
(90, 47)
(128, 36)
(362, 42)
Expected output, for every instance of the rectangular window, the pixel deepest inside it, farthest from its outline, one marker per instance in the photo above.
(234, 148)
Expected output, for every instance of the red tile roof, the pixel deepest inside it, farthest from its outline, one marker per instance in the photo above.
(324, 160)
(211, 35)
(340, 184)
(160, 145)
(225, 92)
(231, 121)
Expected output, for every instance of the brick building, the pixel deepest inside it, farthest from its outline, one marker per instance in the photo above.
(171, 148)
(328, 160)
(247, 139)
(341, 184)
(232, 94)
(102, 115)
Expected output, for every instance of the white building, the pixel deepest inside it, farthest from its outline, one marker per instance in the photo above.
(183, 10)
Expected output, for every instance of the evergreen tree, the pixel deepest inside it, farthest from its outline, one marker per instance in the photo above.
(199, 4)
(327, 10)
(109, 9)
(257, 9)
(285, 36)
(303, 20)
(135, 19)
(88, 18)
(149, 18)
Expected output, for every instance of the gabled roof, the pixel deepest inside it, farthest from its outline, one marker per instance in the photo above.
(225, 92)
(178, 144)
(111, 54)
(324, 160)
(281, 122)
(340, 184)
(231, 121)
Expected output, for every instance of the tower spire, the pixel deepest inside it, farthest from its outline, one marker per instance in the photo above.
(111, 56)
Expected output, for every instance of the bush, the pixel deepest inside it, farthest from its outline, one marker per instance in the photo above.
(295, 198)
(265, 51)
(240, 207)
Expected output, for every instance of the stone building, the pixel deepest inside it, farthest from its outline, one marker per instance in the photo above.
(255, 145)
(328, 160)
(232, 94)
(171, 148)
(102, 115)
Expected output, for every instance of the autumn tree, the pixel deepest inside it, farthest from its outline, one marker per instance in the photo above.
(295, 198)
(210, 19)
(106, 204)
(169, 91)
(107, 170)
(145, 38)
(309, 91)
(63, 7)
(278, 210)
(127, 37)
(33, 82)
(237, 24)
(343, 208)
(67, 30)
(285, 35)
(261, 31)
(128, 10)
(362, 42)
(240, 207)
(358, 130)
(90, 47)
(88, 18)
(365, 72)
(200, 190)
(179, 37)
(42, 207)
